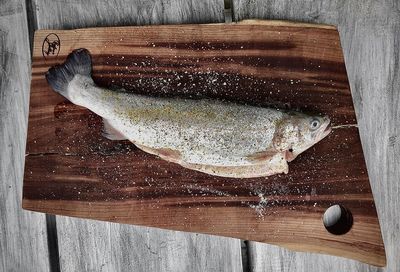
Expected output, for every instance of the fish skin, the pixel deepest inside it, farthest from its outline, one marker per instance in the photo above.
(212, 136)
(209, 132)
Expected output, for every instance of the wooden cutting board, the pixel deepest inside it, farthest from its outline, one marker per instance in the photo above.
(72, 170)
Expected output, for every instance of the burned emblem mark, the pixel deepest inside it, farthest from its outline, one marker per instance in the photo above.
(51, 46)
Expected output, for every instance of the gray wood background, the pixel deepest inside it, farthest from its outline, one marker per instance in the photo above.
(370, 35)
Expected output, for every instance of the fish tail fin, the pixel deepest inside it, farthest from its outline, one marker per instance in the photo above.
(78, 62)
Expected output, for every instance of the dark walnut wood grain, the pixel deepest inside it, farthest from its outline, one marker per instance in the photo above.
(72, 170)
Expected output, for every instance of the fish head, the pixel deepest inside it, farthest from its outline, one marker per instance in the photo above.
(310, 130)
(299, 132)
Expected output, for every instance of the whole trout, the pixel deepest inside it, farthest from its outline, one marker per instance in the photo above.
(210, 136)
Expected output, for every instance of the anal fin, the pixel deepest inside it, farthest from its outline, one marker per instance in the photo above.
(110, 132)
(167, 154)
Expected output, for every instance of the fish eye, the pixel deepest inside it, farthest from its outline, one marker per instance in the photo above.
(314, 124)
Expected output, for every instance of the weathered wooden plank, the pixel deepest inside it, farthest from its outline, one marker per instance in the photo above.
(256, 63)
(23, 239)
(115, 247)
(119, 248)
(173, 251)
(69, 14)
(370, 33)
(268, 258)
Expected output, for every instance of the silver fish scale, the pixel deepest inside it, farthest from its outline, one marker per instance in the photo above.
(203, 131)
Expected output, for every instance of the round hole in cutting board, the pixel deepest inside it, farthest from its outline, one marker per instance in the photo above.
(337, 219)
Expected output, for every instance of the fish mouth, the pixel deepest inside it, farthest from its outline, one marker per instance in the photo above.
(326, 128)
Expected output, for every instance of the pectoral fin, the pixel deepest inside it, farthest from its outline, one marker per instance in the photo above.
(262, 156)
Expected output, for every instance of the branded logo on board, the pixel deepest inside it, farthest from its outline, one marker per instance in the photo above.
(51, 46)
